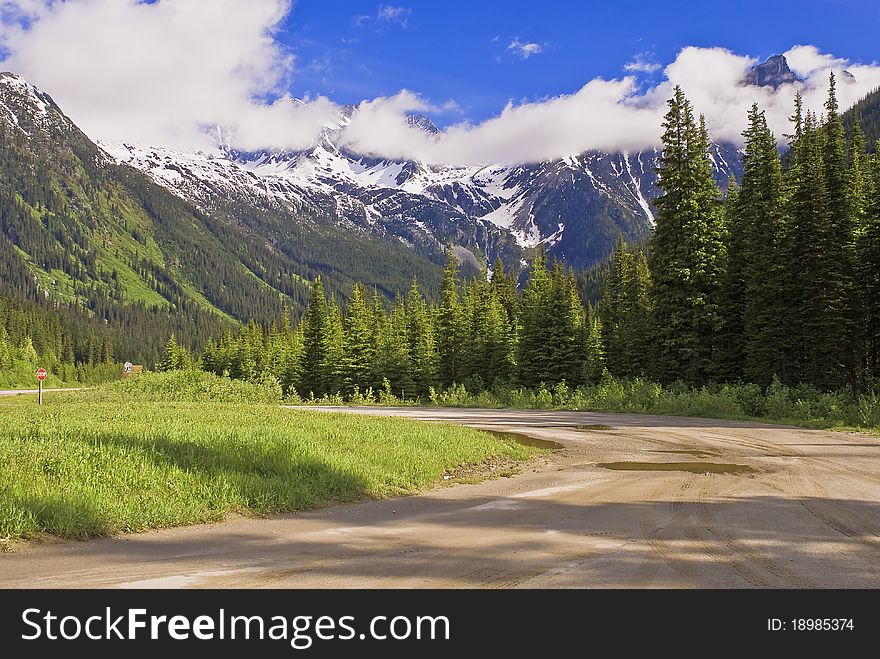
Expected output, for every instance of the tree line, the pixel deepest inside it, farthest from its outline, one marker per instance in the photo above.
(780, 279)
(482, 334)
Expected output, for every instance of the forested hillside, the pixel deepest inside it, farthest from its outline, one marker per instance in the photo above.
(868, 112)
(104, 256)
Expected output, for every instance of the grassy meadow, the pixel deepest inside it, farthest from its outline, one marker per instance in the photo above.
(113, 460)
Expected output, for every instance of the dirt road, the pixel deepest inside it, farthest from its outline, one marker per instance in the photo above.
(790, 508)
(19, 392)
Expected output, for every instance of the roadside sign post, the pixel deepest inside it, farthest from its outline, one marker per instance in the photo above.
(41, 375)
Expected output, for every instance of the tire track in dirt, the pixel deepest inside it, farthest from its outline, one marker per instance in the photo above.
(834, 515)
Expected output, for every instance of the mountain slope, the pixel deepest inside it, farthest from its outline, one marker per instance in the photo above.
(868, 110)
(573, 207)
(79, 230)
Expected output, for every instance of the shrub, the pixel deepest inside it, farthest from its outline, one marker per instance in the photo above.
(778, 403)
(869, 411)
(187, 386)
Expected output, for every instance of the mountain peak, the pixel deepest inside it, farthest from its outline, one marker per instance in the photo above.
(12, 82)
(26, 106)
(771, 73)
(422, 122)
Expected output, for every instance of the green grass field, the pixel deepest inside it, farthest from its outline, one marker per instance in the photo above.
(76, 468)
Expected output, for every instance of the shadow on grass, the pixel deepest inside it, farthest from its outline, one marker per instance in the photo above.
(69, 518)
(266, 479)
(229, 478)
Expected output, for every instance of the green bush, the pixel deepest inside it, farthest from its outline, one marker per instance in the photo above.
(802, 404)
(187, 387)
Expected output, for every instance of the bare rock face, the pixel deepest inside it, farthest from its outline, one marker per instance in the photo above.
(772, 73)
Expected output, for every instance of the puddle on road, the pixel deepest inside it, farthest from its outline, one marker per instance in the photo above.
(594, 427)
(525, 440)
(691, 467)
(697, 453)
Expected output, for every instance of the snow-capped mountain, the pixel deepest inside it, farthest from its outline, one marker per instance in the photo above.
(575, 207)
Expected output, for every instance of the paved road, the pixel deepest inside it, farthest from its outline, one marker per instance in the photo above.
(17, 392)
(807, 516)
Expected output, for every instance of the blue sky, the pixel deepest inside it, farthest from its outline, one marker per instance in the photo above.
(509, 82)
(459, 50)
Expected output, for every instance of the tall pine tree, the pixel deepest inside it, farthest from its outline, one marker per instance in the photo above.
(422, 344)
(754, 278)
(359, 346)
(839, 311)
(314, 342)
(869, 260)
(535, 360)
(687, 250)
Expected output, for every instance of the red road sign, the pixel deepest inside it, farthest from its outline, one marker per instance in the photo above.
(41, 374)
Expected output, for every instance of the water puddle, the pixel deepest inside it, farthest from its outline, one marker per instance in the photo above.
(525, 440)
(690, 467)
(694, 452)
(594, 427)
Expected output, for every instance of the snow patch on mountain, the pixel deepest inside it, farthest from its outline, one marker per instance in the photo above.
(559, 204)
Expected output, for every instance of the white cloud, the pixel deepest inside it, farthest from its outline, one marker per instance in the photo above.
(607, 115)
(807, 60)
(161, 73)
(525, 49)
(527, 132)
(642, 63)
(392, 14)
(168, 73)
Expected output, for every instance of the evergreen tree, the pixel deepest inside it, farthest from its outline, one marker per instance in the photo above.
(594, 344)
(491, 339)
(451, 331)
(333, 366)
(625, 313)
(869, 258)
(637, 321)
(475, 361)
(357, 362)
(859, 178)
(755, 264)
(315, 328)
(392, 350)
(504, 287)
(611, 309)
(569, 348)
(860, 184)
(687, 251)
(839, 304)
(535, 360)
(807, 281)
(175, 357)
(731, 343)
(291, 370)
(422, 346)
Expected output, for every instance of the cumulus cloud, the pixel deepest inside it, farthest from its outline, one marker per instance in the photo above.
(525, 49)
(163, 73)
(594, 117)
(169, 73)
(613, 115)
